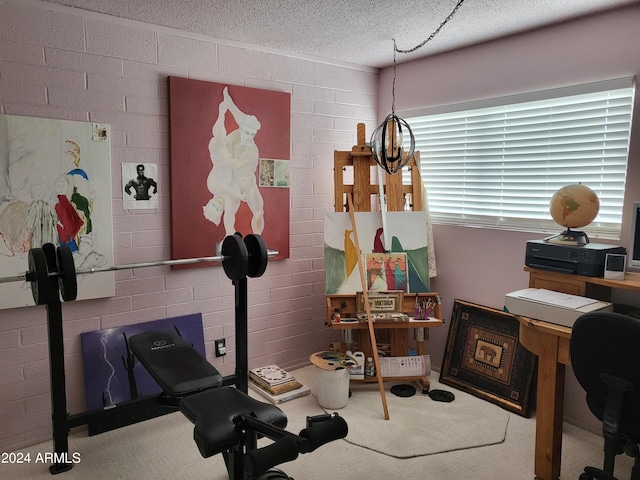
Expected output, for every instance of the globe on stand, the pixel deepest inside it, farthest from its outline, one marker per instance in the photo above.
(573, 206)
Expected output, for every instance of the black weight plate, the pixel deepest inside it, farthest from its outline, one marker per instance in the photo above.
(403, 390)
(236, 259)
(37, 261)
(442, 396)
(67, 281)
(257, 253)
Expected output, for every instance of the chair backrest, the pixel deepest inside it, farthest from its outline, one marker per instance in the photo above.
(609, 343)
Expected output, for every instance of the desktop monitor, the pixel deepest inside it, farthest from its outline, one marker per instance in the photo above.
(634, 258)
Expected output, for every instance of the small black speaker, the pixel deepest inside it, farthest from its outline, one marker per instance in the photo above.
(614, 264)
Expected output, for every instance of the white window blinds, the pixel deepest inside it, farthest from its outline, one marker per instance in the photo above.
(497, 164)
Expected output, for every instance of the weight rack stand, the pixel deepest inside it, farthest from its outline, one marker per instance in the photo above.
(129, 412)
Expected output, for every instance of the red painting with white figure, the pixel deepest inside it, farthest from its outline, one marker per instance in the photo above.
(230, 152)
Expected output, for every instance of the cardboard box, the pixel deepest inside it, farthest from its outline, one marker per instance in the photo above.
(554, 307)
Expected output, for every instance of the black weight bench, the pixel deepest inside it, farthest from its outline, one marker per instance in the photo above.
(227, 420)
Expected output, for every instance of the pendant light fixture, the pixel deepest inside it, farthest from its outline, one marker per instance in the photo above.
(388, 140)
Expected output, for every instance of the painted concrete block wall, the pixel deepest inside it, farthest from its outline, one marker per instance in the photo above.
(57, 62)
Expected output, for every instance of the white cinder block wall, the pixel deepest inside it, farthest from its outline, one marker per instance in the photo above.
(58, 62)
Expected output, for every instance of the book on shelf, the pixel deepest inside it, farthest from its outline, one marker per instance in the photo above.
(282, 397)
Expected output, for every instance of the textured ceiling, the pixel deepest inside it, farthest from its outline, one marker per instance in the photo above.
(353, 31)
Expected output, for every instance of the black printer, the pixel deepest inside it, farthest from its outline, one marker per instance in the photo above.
(587, 260)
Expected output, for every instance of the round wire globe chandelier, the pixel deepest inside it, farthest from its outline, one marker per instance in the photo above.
(388, 140)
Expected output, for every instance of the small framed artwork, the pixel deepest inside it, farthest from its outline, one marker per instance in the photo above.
(387, 271)
(140, 189)
(484, 357)
(380, 301)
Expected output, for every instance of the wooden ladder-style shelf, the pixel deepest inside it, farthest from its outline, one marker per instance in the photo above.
(360, 165)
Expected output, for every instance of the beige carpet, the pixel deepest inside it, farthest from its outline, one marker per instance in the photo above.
(163, 449)
(417, 425)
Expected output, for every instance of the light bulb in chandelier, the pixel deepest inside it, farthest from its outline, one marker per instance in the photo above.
(387, 144)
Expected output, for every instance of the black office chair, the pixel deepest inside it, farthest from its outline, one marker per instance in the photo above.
(605, 355)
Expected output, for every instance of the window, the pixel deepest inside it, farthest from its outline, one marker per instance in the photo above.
(497, 163)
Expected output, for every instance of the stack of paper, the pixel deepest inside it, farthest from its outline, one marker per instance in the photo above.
(411, 366)
(551, 306)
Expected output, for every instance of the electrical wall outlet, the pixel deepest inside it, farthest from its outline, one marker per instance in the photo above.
(221, 347)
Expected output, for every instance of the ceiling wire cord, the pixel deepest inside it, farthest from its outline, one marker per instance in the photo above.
(394, 163)
(435, 32)
(410, 50)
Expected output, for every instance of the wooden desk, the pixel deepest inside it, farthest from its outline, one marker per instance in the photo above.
(591, 287)
(551, 344)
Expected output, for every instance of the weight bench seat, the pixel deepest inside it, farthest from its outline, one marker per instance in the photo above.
(172, 362)
(183, 373)
(212, 412)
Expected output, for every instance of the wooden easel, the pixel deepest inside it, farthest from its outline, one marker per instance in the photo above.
(362, 190)
(359, 197)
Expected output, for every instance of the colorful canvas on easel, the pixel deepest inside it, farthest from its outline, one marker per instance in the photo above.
(403, 264)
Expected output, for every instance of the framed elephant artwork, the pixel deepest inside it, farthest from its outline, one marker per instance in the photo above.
(484, 357)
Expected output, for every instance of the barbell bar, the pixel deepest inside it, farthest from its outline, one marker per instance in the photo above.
(240, 258)
(28, 276)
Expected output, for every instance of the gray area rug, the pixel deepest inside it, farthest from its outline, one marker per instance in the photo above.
(417, 425)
